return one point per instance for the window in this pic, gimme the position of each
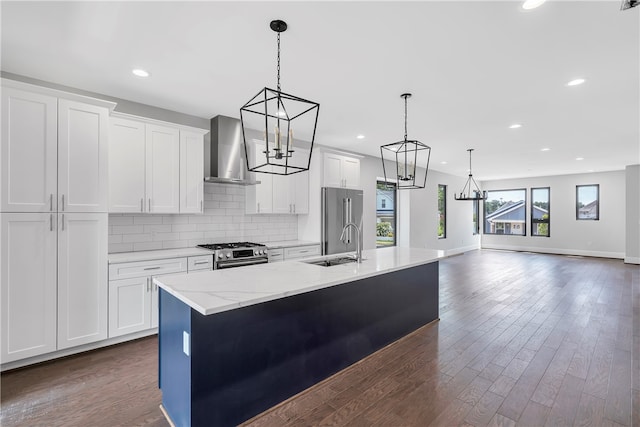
(540, 220)
(442, 211)
(476, 216)
(588, 202)
(504, 212)
(385, 214)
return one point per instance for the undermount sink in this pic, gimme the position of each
(332, 261)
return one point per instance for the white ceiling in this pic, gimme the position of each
(474, 68)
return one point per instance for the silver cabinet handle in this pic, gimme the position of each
(152, 268)
(50, 222)
(201, 205)
(201, 262)
(258, 207)
(51, 202)
(149, 204)
(63, 202)
(141, 204)
(62, 222)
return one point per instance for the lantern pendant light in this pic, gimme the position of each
(409, 158)
(268, 121)
(468, 189)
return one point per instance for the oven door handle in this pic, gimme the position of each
(229, 264)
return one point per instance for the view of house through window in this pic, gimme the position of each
(588, 202)
(540, 219)
(442, 211)
(476, 217)
(385, 214)
(504, 212)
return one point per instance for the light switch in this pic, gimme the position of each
(185, 342)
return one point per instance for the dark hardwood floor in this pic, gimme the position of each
(523, 339)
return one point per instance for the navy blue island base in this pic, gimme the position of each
(225, 368)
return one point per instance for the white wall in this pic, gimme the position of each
(602, 238)
(417, 224)
(632, 245)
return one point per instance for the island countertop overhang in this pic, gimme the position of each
(216, 291)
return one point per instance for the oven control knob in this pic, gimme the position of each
(228, 255)
(265, 251)
(261, 253)
(220, 256)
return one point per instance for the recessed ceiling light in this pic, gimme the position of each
(576, 82)
(515, 126)
(140, 72)
(545, 149)
(360, 136)
(443, 162)
(532, 4)
(579, 158)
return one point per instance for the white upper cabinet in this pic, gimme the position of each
(29, 151)
(82, 157)
(341, 171)
(126, 165)
(82, 278)
(28, 278)
(54, 153)
(191, 172)
(163, 169)
(155, 167)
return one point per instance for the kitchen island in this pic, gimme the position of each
(235, 342)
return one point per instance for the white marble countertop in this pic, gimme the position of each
(289, 244)
(211, 292)
(119, 257)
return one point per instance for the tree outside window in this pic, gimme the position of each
(385, 214)
(442, 211)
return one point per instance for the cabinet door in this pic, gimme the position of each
(351, 172)
(129, 306)
(154, 304)
(282, 186)
(82, 157)
(259, 197)
(332, 170)
(301, 193)
(28, 284)
(191, 172)
(82, 278)
(162, 169)
(29, 152)
(126, 166)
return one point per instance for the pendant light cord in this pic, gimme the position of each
(278, 62)
(405, 118)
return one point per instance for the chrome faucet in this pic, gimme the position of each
(358, 242)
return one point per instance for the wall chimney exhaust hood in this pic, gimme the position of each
(228, 157)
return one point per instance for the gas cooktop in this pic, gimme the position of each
(236, 245)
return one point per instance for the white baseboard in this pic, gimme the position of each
(556, 251)
(75, 350)
(631, 260)
(461, 250)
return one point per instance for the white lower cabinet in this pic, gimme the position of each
(133, 298)
(53, 272)
(301, 251)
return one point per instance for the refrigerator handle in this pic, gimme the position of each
(346, 215)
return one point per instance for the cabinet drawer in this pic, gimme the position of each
(127, 270)
(301, 252)
(276, 255)
(201, 262)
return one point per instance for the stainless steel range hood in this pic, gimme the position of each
(228, 157)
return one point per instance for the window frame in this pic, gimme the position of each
(484, 214)
(541, 221)
(444, 212)
(476, 210)
(395, 211)
(597, 218)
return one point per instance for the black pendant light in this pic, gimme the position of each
(269, 120)
(409, 157)
(471, 190)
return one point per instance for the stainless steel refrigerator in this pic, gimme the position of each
(339, 207)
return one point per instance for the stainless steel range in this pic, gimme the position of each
(228, 255)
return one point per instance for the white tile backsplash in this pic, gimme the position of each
(223, 220)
